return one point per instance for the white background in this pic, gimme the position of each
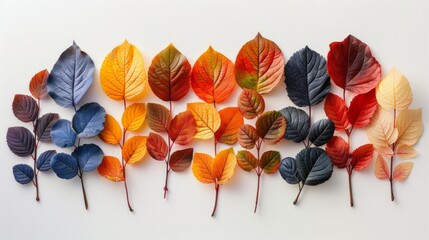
(34, 33)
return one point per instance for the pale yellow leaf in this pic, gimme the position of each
(405, 151)
(381, 131)
(394, 92)
(410, 126)
(207, 119)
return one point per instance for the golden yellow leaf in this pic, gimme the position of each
(394, 92)
(207, 119)
(381, 132)
(201, 167)
(134, 149)
(381, 170)
(410, 126)
(123, 75)
(134, 116)
(112, 132)
(402, 170)
(405, 151)
(223, 165)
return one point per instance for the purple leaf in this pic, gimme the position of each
(20, 141)
(44, 125)
(25, 108)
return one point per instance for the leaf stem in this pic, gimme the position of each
(83, 189)
(299, 193)
(126, 187)
(257, 191)
(167, 171)
(167, 161)
(349, 172)
(36, 144)
(392, 195)
(216, 197)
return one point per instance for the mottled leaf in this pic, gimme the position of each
(270, 161)
(405, 151)
(381, 131)
(246, 160)
(250, 103)
(271, 127)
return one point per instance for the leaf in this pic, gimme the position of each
(170, 74)
(307, 80)
(250, 103)
(112, 132)
(362, 109)
(381, 131)
(201, 167)
(362, 157)
(231, 120)
(180, 160)
(111, 169)
(156, 147)
(321, 132)
(20, 141)
(134, 117)
(23, 173)
(297, 124)
(338, 149)
(182, 128)
(247, 136)
(381, 170)
(38, 84)
(62, 134)
(336, 110)
(25, 108)
(64, 165)
(402, 171)
(89, 156)
(44, 160)
(44, 126)
(218, 170)
(259, 65)
(352, 66)
(288, 171)
(213, 77)
(89, 120)
(71, 77)
(394, 91)
(158, 117)
(410, 126)
(246, 160)
(384, 150)
(405, 151)
(134, 149)
(314, 166)
(207, 119)
(123, 74)
(270, 161)
(271, 127)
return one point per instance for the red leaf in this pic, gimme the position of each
(362, 157)
(38, 87)
(362, 108)
(338, 149)
(181, 159)
(336, 110)
(156, 146)
(182, 128)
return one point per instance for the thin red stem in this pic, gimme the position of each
(349, 172)
(124, 165)
(216, 197)
(167, 161)
(167, 171)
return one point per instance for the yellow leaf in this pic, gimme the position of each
(410, 126)
(134, 149)
(201, 167)
(394, 92)
(381, 170)
(381, 132)
(134, 117)
(207, 119)
(223, 165)
(402, 171)
(405, 151)
(123, 75)
(112, 132)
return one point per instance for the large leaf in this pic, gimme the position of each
(231, 121)
(338, 149)
(71, 77)
(213, 77)
(44, 160)
(218, 170)
(381, 131)
(259, 65)
(307, 80)
(170, 74)
(134, 149)
(158, 117)
(314, 166)
(250, 103)
(20, 141)
(410, 126)
(246, 160)
(134, 116)
(180, 160)
(247, 136)
(271, 127)
(362, 109)
(270, 161)
(123, 74)
(289, 171)
(44, 126)
(352, 66)
(394, 91)
(321, 132)
(362, 157)
(89, 156)
(111, 169)
(156, 147)
(297, 124)
(38, 84)
(182, 128)
(64, 165)
(89, 120)
(112, 132)
(207, 119)
(23, 173)
(62, 134)
(25, 108)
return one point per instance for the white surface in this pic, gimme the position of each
(34, 33)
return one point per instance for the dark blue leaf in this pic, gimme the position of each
(44, 125)
(20, 141)
(321, 132)
(71, 77)
(89, 156)
(64, 165)
(307, 80)
(89, 120)
(23, 173)
(288, 171)
(297, 124)
(25, 108)
(62, 134)
(44, 160)
(314, 166)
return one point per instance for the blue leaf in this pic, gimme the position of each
(64, 165)
(23, 173)
(89, 120)
(62, 134)
(288, 171)
(89, 156)
(44, 160)
(71, 77)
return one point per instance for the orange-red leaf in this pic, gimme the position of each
(134, 149)
(402, 170)
(111, 169)
(362, 157)
(271, 127)
(381, 170)
(134, 116)
(182, 128)
(231, 121)
(250, 103)
(362, 108)
(112, 132)
(338, 149)
(247, 136)
(156, 147)
(180, 160)
(246, 160)
(336, 110)
(38, 87)
(158, 117)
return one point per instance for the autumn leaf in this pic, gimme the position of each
(156, 147)
(402, 171)
(158, 117)
(180, 160)
(338, 149)
(182, 128)
(270, 162)
(246, 160)
(231, 121)
(271, 127)
(112, 132)
(202, 168)
(362, 157)
(207, 119)
(38, 84)
(134, 149)
(381, 170)
(394, 91)
(362, 109)
(337, 111)
(111, 169)
(405, 151)
(134, 116)
(410, 126)
(381, 131)
(247, 136)
(250, 103)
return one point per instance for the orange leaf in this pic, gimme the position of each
(156, 147)
(223, 165)
(402, 171)
(158, 117)
(207, 119)
(250, 103)
(201, 167)
(134, 149)
(336, 110)
(362, 157)
(134, 116)
(38, 87)
(112, 132)
(182, 128)
(111, 169)
(213, 77)
(231, 121)
(381, 170)
(247, 136)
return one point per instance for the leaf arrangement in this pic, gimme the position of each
(307, 84)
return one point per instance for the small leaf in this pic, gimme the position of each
(247, 136)
(20, 141)
(336, 110)
(207, 119)
(270, 161)
(71, 77)
(25, 108)
(213, 77)
(170, 74)
(23, 173)
(38, 84)
(307, 80)
(381, 131)
(44, 160)
(89, 120)
(182, 128)
(381, 170)
(156, 147)
(405, 151)
(271, 127)
(158, 117)
(62, 134)
(201, 167)
(402, 171)
(111, 169)
(297, 124)
(44, 126)
(321, 132)
(362, 109)
(112, 132)
(64, 165)
(410, 126)
(314, 166)
(89, 156)
(288, 171)
(246, 160)
(134, 116)
(180, 160)
(223, 165)
(250, 103)
(259, 65)
(385, 150)
(394, 91)
(134, 149)
(362, 157)
(231, 120)
(123, 74)
(338, 149)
